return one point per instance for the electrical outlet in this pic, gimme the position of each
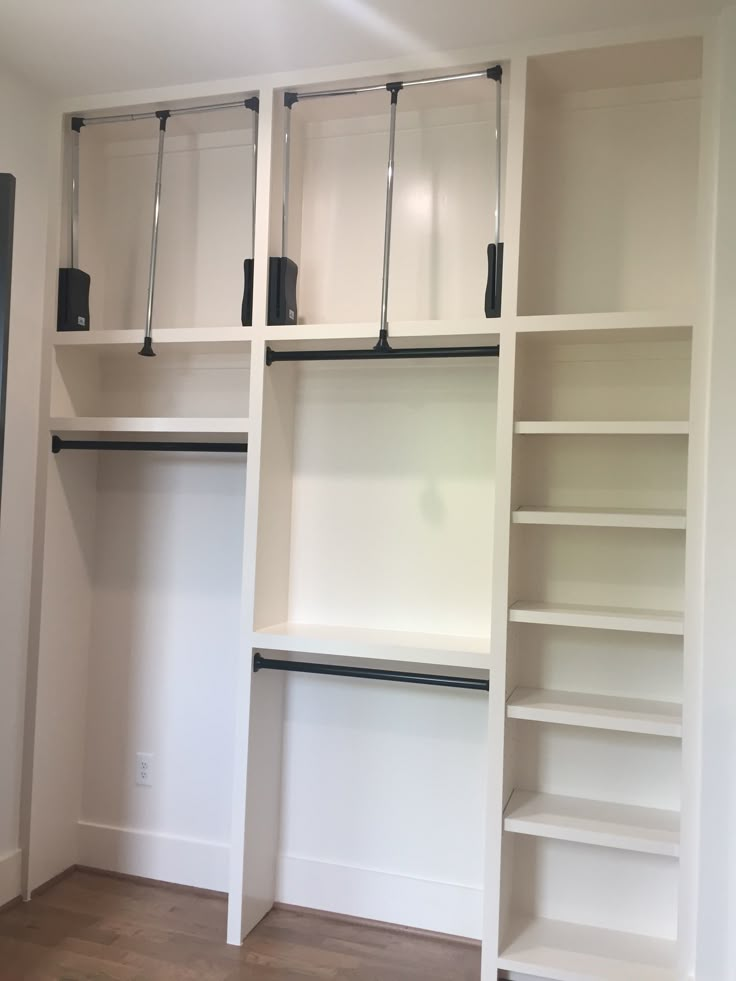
(144, 769)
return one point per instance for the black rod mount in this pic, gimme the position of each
(383, 353)
(261, 663)
(58, 444)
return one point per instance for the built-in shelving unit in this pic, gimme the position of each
(519, 518)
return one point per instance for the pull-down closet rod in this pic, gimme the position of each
(58, 444)
(130, 117)
(383, 348)
(371, 674)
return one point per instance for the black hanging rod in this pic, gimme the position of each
(261, 663)
(383, 353)
(58, 444)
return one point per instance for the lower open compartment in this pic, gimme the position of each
(577, 912)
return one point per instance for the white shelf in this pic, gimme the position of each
(615, 428)
(600, 518)
(599, 617)
(203, 340)
(223, 428)
(560, 951)
(596, 711)
(390, 645)
(637, 829)
(574, 322)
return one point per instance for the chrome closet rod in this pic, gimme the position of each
(130, 117)
(356, 90)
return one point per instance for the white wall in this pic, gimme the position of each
(716, 945)
(26, 150)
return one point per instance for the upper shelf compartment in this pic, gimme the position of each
(610, 179)
(443, 209)
(206, 217)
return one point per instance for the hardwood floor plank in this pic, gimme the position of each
(90, 927)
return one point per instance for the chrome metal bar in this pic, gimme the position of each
(383, 336)
(130, 117)
(444, 78)
(356, 90)
(147, 349)
(74, 216)
(497, 236)
(253, 105)
(285, 180)
(332, 93)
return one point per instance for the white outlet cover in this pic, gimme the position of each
(144, 769)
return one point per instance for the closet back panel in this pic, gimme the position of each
(610, 180)
(393, 495)
(383, 791)
(443, 215)
(165, 637)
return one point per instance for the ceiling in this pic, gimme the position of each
(86, 47)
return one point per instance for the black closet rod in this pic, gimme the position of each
(384, 353)
(261, 663)
(58, 444)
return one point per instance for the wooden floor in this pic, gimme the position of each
(91, 927)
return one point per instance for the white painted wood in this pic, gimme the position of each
(599, 618)
(223, 428)
(601, 823)
(197, 339)
(601, 230)
(561, 951)
(596, 711)
(368, 893)
(365, 642)
(10, 876)
(603, 428)
(153, 855)
(592, 517)
(635, 320)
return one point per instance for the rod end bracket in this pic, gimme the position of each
(253, 103)
(269, 356)
(56, 444)
(290, 98)
(163, 117)
(77, 122)
(147, 350)
(257, 662)
(495, 73)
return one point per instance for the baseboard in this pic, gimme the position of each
(425, 904)
(151, 855)
(10, 877)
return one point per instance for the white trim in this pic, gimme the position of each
(152, 855)
(374, 894)
(10, 876)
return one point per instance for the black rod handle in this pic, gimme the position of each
(261, 663)
(383, 354)
(58, 444)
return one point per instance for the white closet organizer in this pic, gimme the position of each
(518, 522)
